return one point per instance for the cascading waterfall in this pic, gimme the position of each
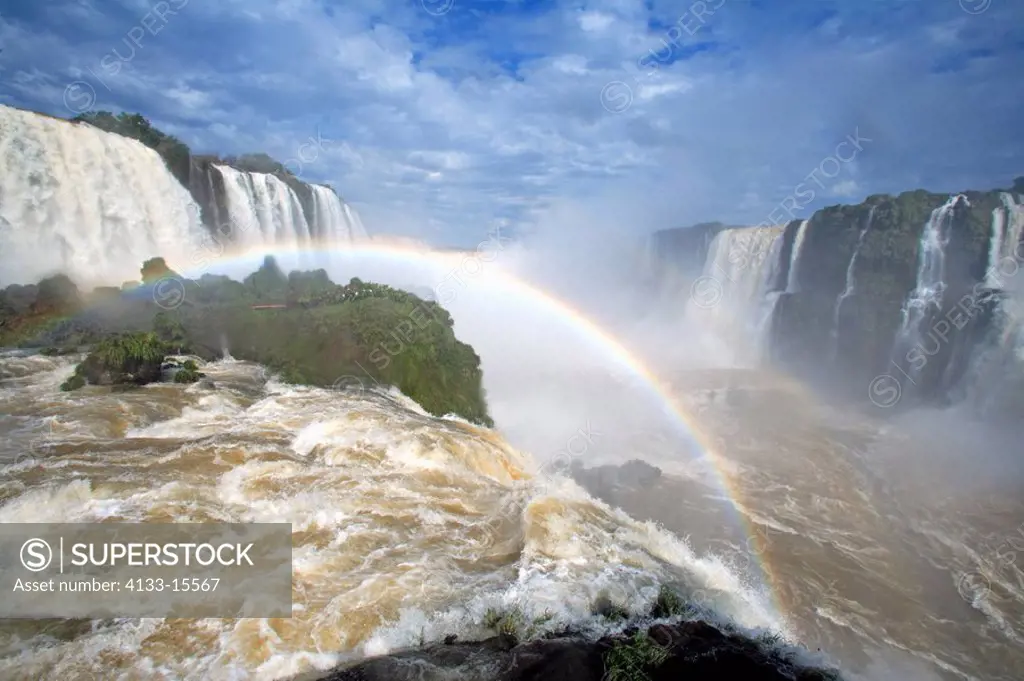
(1004, 359)
(994, 376)
(1011, 252)
(770, 297)
(649, 263)
(354, 221)
(213, 201)
(335, 221)
(729, 298)
(91, 204)
(995, 247)
(263, 209)
(850, 282)
(1007, 224)
(663, 279)
(927, 294)
(794, 256)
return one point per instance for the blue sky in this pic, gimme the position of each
(440, 118)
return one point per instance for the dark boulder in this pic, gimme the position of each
(606, 480)
(695, 651)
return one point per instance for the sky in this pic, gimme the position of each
(441, 119)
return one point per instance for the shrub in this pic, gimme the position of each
(630, 660)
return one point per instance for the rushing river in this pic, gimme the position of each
(407, 527)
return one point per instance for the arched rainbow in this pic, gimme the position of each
(590, 330)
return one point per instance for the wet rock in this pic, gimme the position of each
(603, 481)
(695, 651)
(662, 635)
(129, 359)
(638, 473)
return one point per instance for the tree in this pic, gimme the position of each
(57, 294)
(155, 269)
(269, 281)
(169, 329)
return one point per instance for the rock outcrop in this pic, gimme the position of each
(910, 287)
(692, 650)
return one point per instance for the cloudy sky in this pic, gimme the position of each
(439, 118)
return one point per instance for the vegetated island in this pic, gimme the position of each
(301, 324)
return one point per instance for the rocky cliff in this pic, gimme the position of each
(917, 289)
(234, 205)
(674, 257)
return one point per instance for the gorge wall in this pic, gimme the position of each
(913, 298)
(92, 196)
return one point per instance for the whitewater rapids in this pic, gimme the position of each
(406, 527)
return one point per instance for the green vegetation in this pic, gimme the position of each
(319, 334)
(511, 625)
(121, 359)
(507, 624)
(188, 373)
(610, 610)
(28, 310)
(669, 604)
(326, 332)
(155, 269)
(57, 352)
(770, 638)
(129, 350)
(169, 329)
(644, 650)
(630, 660)
(76, 381)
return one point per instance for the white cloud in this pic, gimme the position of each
(573, 64)
(595, 22)
(192, 101)
(846, 188)
(467, 118)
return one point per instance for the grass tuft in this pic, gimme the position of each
(630, 660)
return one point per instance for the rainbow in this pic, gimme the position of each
(597, 336)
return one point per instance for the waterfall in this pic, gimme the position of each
(1007, 224)
(354, 221)
(731, 297)
(91, 204)
(995, 247)
(769, 297)
(927, 294)
(850, 282)
(263, 209)
(334, 219)
(203, 190)
(995, 373)
(794, 256)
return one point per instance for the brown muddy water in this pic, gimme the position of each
(407, 527)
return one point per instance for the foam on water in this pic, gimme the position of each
(407, 527)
